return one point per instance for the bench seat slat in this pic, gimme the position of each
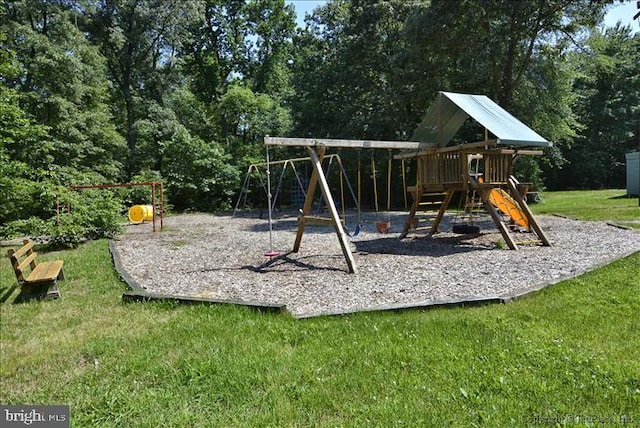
(46, 271)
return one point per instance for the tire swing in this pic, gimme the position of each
(467, 228)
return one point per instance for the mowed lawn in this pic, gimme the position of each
(568, 354)
(611, 205)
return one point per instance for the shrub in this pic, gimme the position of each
(93, 215)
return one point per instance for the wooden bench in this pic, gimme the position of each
(37, 280)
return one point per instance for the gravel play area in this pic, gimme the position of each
(222, 258)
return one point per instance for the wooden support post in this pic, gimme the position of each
(484, 194)
(416, 194)
(525, 208)
(308, 200)
(153, 205)
(328, 198)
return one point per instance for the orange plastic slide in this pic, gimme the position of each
(505, 203)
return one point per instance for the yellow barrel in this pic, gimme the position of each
(140, 213)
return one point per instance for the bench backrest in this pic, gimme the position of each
(29, 259)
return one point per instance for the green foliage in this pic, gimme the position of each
(24, 191)
(141, 195)
(527, 170)
(97, 92)
(198, 174)
(247, 117)
(134, 37)
(193, 114)
(64, 87)
(609, 89)
(351, 73)
(21, 160)
(93, 214)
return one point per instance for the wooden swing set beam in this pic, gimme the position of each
(349, 144)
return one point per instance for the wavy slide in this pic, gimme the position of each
(505, 203)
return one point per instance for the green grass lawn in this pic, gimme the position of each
(592, 205)
(569, 351)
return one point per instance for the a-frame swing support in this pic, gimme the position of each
(318, 179)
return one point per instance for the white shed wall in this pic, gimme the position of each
(633, 173)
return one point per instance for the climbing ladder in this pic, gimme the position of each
(426, 211)
(473, 207)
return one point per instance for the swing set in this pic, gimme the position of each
(317, 149)
(261, 174)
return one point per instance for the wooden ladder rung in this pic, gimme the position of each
(532, 241)
(425, 220)
(422, 228)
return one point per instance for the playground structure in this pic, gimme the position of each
(442, 169)
(442, 172)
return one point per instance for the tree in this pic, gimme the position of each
(63, 84)
(272, 25)
(198, 174)
(490, 46)
(246, 118)
(140, 39)
(351, 73)
(608, 89)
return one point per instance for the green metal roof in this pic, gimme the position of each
(450, 110)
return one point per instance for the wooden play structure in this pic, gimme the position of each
(442, 172)
(482, 171)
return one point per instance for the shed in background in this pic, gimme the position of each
(633, 173)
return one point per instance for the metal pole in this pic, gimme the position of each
(270, 253)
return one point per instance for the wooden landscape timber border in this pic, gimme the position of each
(137, 293)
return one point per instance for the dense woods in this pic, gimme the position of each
(105, 91)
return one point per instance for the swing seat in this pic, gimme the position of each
(465, 229)
(356, 232)
(383, 226)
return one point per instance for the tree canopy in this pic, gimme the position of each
(97, 91)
